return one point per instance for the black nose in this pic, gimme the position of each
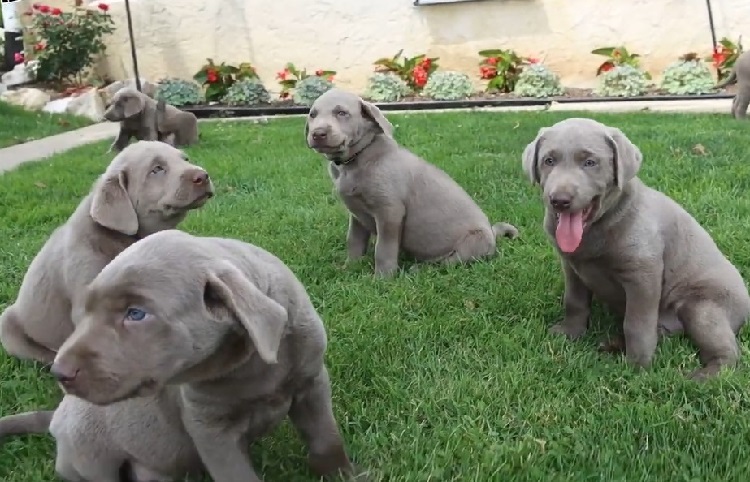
(319, 135)
(560, 201)
(63, 374)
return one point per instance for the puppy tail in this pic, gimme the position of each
(729, 80)
(24, 423)
(505, 230)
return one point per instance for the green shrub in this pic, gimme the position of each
(178, 92)
(536, 80)
(686, 77)
(247, 92)
(386, 87)
(310, 88)
(622, 81)
(448, 85)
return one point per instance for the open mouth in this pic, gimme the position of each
(571, 225)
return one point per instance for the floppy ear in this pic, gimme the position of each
(530, 158)
(261, 317)
(133, 104)
(111, 205)
(370, 111)
(307, 128)
(627, 158)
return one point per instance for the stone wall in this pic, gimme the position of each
(174, 37)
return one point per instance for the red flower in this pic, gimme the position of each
(19, 57)
(38, 47)
(319, 72)
(533, 60)
(36, 6)
(492, 60)
(44, 9)
(420, 76)
(330, 78)
(212, 76)
(56, 11)
(719, 57)
(487, 72)
(103, 7)
(283, 74)
(426, 63)
(607, 66)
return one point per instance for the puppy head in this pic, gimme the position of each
(166, 311)
(340, 124)
(582, 166)
(148, 187)
(126, 103)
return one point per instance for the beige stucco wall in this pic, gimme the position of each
(174, 37)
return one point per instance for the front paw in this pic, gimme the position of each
(571, 329)
(385, 271)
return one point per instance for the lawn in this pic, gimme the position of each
(444, 374)
(18, 125)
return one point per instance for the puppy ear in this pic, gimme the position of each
(371, 111)
(530, 158)
(111, 205)
(133, 104)
(627, 158)
(262, 318)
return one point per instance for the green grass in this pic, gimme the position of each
(444, 374)
(18, 125)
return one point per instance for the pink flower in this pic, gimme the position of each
(103, 7)
(19, 57)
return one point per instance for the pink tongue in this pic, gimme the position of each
(569, 231)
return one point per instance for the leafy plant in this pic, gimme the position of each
(689, 75)
(247, 92)
(622, 81)
(65, 43)
(386, 87)
(178, 92)
(537, 80)
(310, 88)
(617, 56)
(448, 85)
(724, 56)
(415, 71)
(501, 68)
(291, 76)
(218, 78)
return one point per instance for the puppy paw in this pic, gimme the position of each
(570, 330)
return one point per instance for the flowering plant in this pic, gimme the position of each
(724, 56)
(413, 70)
(218, 78)
(291, 75)
(616, 56)
(501, 68)
(65, 43)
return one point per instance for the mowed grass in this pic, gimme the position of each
(18, 125)
(444, 374)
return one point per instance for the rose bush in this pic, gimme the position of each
(415, 71)
(501, 69)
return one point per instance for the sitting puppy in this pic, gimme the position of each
(632, 247)
(142, 117)
(148, 187)
(407, 202)
(176, 366)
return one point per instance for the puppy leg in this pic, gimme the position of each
(357, 239)
(641, 324)
(121, 141)
(311, 414)
(388, 224)
(742, 100)
(577, 302)
(74, 465)
(710, 329)
(16, 342)
(168, 139)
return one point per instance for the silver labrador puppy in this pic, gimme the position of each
(390, 192)
(632, 247)
(189, 349)
(147, 187)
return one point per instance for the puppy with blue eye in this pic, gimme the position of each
(633, 248)
(188, 350)
(148, 187)
(407, 203)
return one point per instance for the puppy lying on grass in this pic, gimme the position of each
(408, 203)
(148, 187)
(632, 247)
(188, 349)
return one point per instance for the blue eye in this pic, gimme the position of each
(134, 314)
(589, 163)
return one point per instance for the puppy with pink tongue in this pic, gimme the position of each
(633, 248)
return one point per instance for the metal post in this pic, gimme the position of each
(13, 33)
(132, 47)
(711, 24)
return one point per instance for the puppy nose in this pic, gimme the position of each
(318, 135)
(200, 178)
(560, 201)
(63, 374)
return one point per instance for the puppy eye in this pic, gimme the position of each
(135, 314)
(313, 114)
(342, 113)
(157, 170)
(548, 161)
(589, 163)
